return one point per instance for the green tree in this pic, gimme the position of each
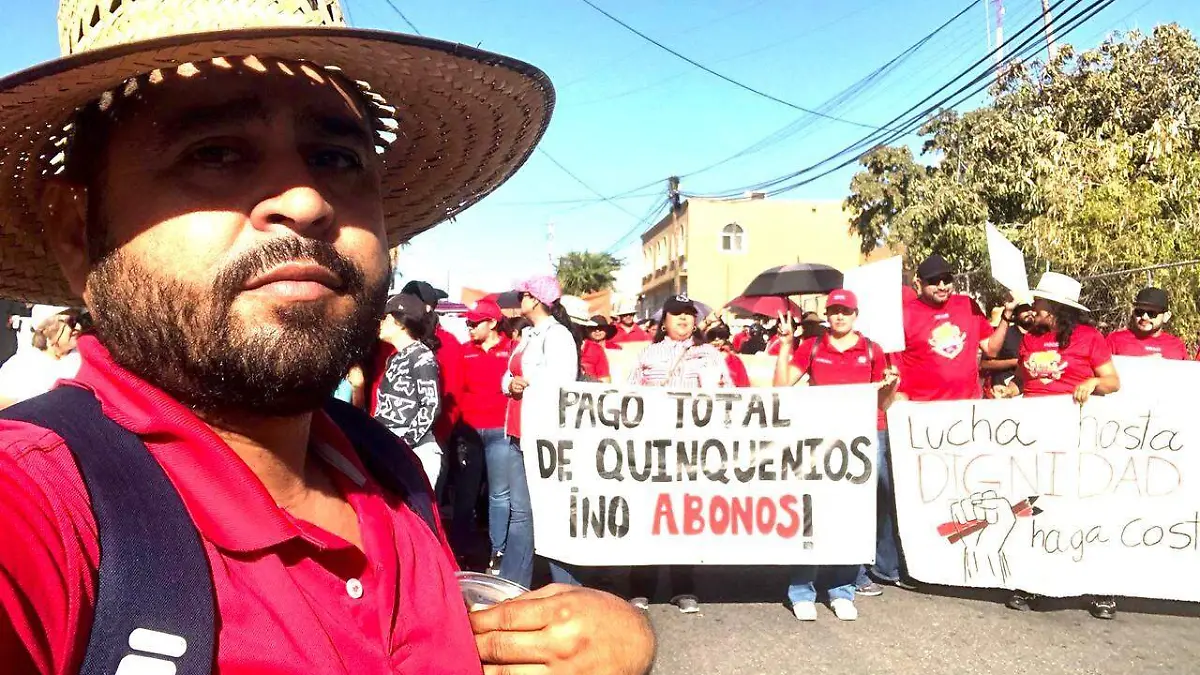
(583, 272)
(1089, 163)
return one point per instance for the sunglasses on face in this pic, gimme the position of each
(474, 324)
(940, 281)
(1148, 313)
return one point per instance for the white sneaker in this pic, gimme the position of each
(641, 603)
(844, 609)
(805, 611)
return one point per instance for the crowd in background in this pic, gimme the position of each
(457, 405)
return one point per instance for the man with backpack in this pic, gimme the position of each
(195, 501)
(843, 356)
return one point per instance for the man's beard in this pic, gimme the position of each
(183, 338)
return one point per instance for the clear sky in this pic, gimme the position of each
(630, 114)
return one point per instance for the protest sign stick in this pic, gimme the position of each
(955, 532)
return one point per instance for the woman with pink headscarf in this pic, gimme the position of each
(548, 355)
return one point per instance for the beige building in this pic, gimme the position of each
(712, 249)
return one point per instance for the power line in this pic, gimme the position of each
(916, 121)
(403, 18)
(577, 179)
(726, 78)
(910, 122)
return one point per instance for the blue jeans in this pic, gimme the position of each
(563, 573)
(510, 514)
(887, 542)
(838, 580)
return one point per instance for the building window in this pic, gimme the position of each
(733, 238)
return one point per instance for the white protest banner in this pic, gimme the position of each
(645, 476)
(879, 287)
(1007, 261)
(1048, 497)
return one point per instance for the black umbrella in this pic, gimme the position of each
(797, 279)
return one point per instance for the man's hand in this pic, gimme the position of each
(517, 385)
(1085, 389)
(564, 629)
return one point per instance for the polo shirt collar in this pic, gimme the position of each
(827, 338)
(228, 503)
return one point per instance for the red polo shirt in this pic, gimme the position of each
(1046, 368)
(635, 334)
(284, 603)
(826, 365)
(1164, 345)
(483, 404)
(593, 362)
(940, 361)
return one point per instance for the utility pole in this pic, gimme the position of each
(550, 245)
(999, 4)
(1048, 23)
(673, 198)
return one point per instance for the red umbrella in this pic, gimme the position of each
(767, 305)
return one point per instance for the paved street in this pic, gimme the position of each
(750, 632)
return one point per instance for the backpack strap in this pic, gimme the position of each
(154, 600)
(387, 458)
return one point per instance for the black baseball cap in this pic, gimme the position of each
(680, 304)
(1152, 298)
(425, 291)
(934, 267)
(407, 304)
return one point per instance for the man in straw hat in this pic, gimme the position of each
(219, 182)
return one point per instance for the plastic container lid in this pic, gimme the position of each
(481, 591)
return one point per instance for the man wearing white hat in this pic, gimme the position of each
(219, 182)
(1063, 355)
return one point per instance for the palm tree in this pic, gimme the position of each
(583, 272)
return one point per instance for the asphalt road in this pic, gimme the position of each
(744, 629)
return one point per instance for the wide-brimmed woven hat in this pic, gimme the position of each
(462, 120)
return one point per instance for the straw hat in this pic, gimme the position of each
(462, 120)
(1059, 288)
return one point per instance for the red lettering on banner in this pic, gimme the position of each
(663, 509)
(693, 514)
(787, 504)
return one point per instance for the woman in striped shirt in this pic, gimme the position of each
(678, 358)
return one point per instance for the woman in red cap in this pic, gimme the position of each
(547, 355)
(842, 356)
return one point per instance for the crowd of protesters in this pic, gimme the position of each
(1039, 345)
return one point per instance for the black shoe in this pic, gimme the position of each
(1104, 608)
(493, 567)
(1022, 602)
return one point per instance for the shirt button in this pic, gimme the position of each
(354, 588)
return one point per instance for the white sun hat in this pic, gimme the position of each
(1059, 288)
(578, 309)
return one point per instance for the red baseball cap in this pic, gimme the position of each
(484, 310)
(842, 298)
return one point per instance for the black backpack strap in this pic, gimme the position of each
(386, 457)
(154, 598)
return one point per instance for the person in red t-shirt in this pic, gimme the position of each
(1146, 334)
(944, 334)
(483, 441)
(628, 330)
(843, 356)
(718, 336)
(593, 360)
(1063, 355)
(226, 219)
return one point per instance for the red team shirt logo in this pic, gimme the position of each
(947, 340)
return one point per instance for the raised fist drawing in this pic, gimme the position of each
(985, 520)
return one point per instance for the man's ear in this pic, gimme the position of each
(63, 211)
(1166, 317)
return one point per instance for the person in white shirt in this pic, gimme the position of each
(548, 355)
(32, 371)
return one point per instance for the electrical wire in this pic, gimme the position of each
(608, 200)
(657, 208)
(726, 78)
(1061, 30)
(403, 18)
(909, 121)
